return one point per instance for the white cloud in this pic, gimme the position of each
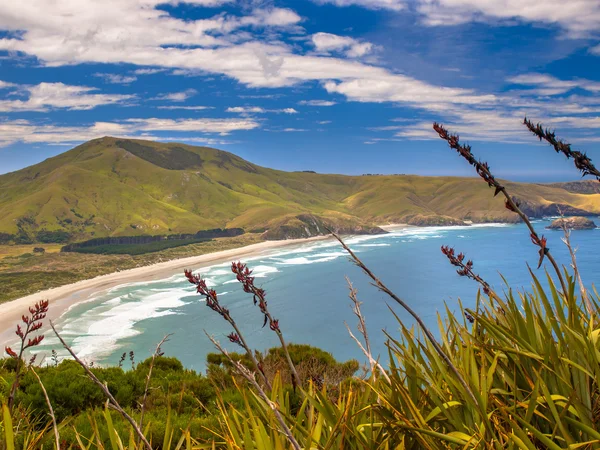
(574, 122)
(578, 17)
(274, 17)
(27, 132)
(220, 126)
(116, 79)
(394, 5)
(500, 119)
(176, 96)
(317, 103)
(45, 96)
(260, 18)
(549, 85)
(6, 84)
(327, 42)
(148, 71)
(259, 110)
(205, 3)
(402, 89)
(114, 31)
(324, 122)
(293, 130)
(246, 109)
(595, 50)
(502, 123)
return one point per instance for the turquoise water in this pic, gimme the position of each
(307, 292)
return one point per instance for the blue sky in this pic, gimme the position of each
(336, 86)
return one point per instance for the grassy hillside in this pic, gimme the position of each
(112, 187)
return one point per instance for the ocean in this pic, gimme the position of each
(307, 292)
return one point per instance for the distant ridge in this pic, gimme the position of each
(123, 187)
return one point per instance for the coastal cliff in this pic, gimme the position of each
(573, 223)
(307, 225)
(421, 220)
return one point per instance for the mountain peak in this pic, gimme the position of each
(167, 156)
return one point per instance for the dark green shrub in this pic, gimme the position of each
(53, 237)
(162, 363)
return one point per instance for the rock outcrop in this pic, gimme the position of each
(421, 220)
(308, 225)
(573, 223)
(552, 209)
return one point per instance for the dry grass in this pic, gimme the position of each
(23, 273)
(7, 251)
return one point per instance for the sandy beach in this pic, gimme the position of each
(61, 298)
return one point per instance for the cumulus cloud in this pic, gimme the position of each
(317, 103)
(353, 48)
(274, 17)
(12, 131)
(246, 109)
(504, 123)
(116, 79)
(151, 71)
(176, 96)
(403, 89)
(548, 85)
(259, 110)
(579, 18)
(46, 96)
(550, 102)
(114, 31)
(394, 5)
(205, 3)
(220, 126)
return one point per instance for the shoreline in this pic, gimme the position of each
(63, 297)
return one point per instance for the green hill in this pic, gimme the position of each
(118, 187)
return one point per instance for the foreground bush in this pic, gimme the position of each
(178, 399)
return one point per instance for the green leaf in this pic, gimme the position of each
(9, 436)
(438, 410)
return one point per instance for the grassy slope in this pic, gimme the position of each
(104, 189)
